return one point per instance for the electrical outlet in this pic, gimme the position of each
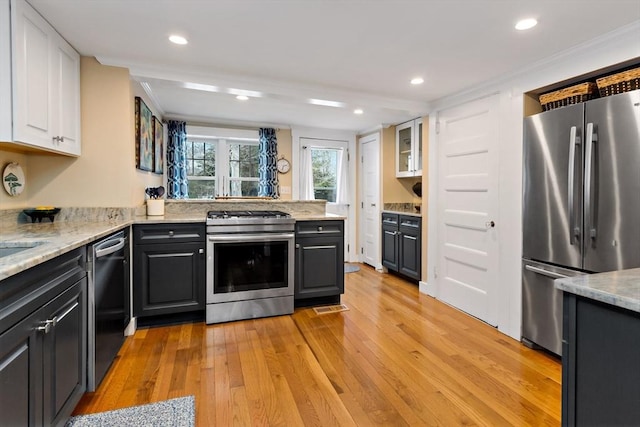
(285, 189)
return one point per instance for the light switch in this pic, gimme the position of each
(285, 189)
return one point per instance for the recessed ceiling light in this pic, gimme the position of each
(525, 24)
(178, 39)
(417, 81)
(326, 103)
(242, 97)
(358, 111)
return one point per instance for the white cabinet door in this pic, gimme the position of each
(46, 84)
(5, 71)
(66, 98)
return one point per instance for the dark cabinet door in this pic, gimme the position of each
(20, 375)
(390, 247)
(319, 259)
(410, 247)
(320, 267)
(169, 278)
(64, 355)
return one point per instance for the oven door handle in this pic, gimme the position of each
(264, 237)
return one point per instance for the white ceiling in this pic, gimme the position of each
(361, 53)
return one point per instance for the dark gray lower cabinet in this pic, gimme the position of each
(43, 342)
(169, 269)
(319, 259)
(600, 364)
(401, 244)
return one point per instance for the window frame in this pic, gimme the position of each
(222, 139)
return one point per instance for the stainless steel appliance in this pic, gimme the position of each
(250, 260)
(581, 205)
(108, 303)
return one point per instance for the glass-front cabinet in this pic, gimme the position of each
(409, 148)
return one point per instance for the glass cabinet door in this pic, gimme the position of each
(404, 149)
(409, 148)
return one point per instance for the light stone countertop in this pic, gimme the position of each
(416, 214)
(60, 237)
(618, 288)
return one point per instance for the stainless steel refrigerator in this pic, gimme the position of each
(581, 203)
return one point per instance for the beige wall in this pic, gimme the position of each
(394, 190)
(105, 173)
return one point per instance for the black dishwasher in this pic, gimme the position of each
(108, 302)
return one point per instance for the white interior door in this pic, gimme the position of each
(467, 272)
(370, 200)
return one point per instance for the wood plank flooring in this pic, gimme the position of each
(396, 357)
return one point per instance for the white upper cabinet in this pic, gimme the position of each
(409, 149)
(46, 84)
(5, 71)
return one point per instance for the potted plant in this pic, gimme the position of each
(155, 204)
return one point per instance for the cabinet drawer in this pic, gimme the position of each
(309, 228)
(390, 221)
(410, 222)
(159, 233)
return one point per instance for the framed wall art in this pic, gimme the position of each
(144, 136)
(158, 146)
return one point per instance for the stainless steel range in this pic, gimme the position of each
(250, 257)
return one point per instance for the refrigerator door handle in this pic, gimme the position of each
(544, 272)
(588, 169)
(574, 232)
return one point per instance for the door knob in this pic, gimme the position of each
(490, 224)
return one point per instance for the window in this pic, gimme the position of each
(324, 163)
(222, 162)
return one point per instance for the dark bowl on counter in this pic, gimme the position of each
(40, 214)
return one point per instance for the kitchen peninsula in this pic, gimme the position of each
(601, 349)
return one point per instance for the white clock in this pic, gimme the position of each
(283, 165)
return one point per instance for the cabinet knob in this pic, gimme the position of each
(297, 245)
(200, 251)
(490, 224)
(320, 228)
(171, 233)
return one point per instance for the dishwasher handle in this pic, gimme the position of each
(544, 272)
(108, 247)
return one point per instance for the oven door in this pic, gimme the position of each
(249, 266)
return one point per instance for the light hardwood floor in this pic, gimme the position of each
(396, 357)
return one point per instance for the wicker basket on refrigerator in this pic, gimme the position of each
(570, 95)
(624, 81)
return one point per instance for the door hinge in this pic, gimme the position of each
(361, 250)
(347, 248)
(435, 272)
(362, 159)
(437, 127)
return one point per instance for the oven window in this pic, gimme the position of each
(249, 266)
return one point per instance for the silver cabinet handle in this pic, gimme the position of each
(406, 236)
(200, 251)
(588, 178)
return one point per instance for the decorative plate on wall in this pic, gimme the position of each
(13, 179)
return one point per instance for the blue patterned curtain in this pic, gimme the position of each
(267, 169)
(177, 183)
